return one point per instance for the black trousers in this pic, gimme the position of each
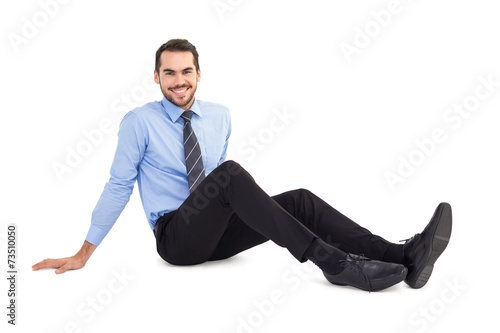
(229, 213)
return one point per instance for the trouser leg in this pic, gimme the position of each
(192, 234)
(335, 228)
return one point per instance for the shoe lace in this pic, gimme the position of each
(406, 240)
(411, 238)
(354, 262)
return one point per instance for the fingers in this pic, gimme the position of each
(49, 263)
(62, 269)
(71, 263)
(61, 265)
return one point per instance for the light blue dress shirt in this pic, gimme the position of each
(150, 150)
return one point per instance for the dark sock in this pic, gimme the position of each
(325, 256)
(394, 254)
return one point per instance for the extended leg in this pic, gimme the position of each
(337, 229)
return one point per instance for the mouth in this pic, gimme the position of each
(180, 91)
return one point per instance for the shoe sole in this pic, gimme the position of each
(376, 285)
(440, 239)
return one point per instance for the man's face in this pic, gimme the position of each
(178, 78)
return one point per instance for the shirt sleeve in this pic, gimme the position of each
(130, 150)
(228, 134)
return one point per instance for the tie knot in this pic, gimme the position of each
(186, 115)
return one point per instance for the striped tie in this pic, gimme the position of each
(192, 152)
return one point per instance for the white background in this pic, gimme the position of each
(350, 122)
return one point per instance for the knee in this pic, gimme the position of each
(303, 197)
(302, 193)
(294, 198)
(230, 169)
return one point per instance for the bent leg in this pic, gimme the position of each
(192, 234)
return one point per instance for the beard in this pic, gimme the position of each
(180, 102)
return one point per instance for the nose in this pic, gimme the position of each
(179, 80)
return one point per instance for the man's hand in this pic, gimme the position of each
(62, 264)
(75, 262)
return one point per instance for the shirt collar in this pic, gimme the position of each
(174, 112)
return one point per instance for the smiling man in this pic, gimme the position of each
(178, 84)
(201, 207)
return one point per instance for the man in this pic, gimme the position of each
(201, 207)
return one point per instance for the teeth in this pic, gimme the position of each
(179, 91)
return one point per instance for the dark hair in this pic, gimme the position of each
(176, 45)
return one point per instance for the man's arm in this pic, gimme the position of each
(75, 262)
(115, 196)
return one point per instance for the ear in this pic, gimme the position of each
(199, 76)
(157, 77)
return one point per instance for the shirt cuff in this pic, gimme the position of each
(95, 235)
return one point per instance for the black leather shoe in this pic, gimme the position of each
(366, 274)
(422, 250)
